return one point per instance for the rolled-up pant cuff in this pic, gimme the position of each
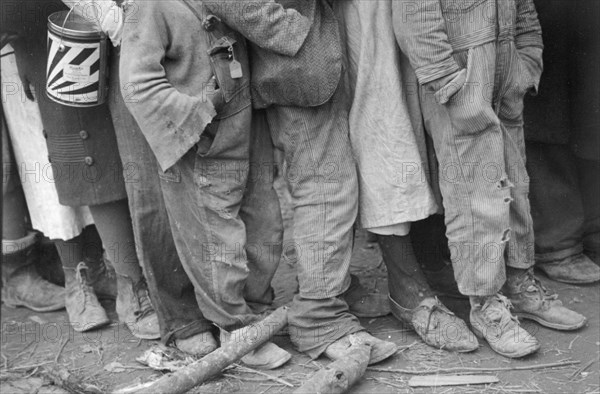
(316, 324)
(541, 258)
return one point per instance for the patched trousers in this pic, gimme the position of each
(226, 220)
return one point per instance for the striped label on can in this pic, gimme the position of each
(73, 73)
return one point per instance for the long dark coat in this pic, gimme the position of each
(81, 141)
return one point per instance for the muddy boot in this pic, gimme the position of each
(102, 278)
(532, 301)
(21, 283)
(135, 308)
(84, 310)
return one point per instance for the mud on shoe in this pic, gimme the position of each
(437, 325)
(491, 320)
(84, 310)
(532, 301)
(380, 349)
(135, 309)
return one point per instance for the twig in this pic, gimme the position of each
(573, 341)
(62, 346)
(30, 366)
(266, 375)
(580, 370)
(468, 369)
(5, 360)
(383, 381)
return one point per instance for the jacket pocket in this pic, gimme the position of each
(470, 108)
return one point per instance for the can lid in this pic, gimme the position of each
(76, 26)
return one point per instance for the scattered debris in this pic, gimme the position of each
(213, 363)
(160, 359)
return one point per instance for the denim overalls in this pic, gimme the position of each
(477, 127)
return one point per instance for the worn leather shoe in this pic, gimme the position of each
(198, 345)
(532, 301)
(437, 325)
(380, 350)
(22, 285)
(135, 309)
(577, 269)
(266, 356)
(84, 310)
(491, 320)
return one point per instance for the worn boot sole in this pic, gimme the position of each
(89, 327)
(545, 323)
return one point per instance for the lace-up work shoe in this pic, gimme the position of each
(532, 301)
(437, 325)
(135, 308)
(84, 310)
(380, 349)
(491, 320)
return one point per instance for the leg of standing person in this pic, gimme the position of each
(21, 283)
(203, 194)
(558, 232)
(261, 212)
(322, 176)
(170, 289)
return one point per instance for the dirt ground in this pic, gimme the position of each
(39, 349)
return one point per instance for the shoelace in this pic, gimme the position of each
(143, 299)
(438, 306)
(83, 280)
(535, 286)
(499, 312)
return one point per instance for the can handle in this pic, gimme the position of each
(61, 46)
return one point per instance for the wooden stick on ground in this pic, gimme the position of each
(477, 370)
(242, 342)
(340, 375)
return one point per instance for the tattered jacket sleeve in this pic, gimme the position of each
(171, 121)
(421, 33)
(264, 22)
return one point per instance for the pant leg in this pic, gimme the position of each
(261, 213)
(520, 246)
(203, 198)
(590, 188)
(473, 181)
(556, 204)
(322, 176)
(171, 291)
